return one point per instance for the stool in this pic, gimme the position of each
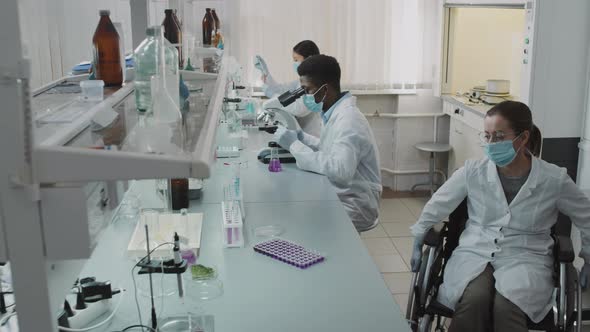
(433, 148)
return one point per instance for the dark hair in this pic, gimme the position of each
(520, 119)
(306, 49)
(321, 69)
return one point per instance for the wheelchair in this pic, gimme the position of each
(424, 312)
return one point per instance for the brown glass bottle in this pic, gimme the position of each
(106, 52)
(216, 20)
(179, 24)
(179, 193)
(208, 27)
(172, 33)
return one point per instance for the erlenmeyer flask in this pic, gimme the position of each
(275, 162)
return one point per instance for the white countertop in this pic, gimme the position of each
(479, 109)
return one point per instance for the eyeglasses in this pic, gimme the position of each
(316, 91)
(497, 136)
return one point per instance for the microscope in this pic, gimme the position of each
(272, 109)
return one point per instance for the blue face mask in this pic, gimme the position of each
(295, 66)
(309, 101)
(501, 153)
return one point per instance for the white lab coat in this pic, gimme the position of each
(309, 121)
(515, 239)
(347, 154)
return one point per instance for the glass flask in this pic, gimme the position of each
(275, 163)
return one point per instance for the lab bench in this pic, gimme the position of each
(343, 293)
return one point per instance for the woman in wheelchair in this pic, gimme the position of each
(502, 270)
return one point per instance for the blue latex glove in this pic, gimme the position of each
(300, 134)
(417, 253)
(285, 137)
(260, 64)
(584, 275)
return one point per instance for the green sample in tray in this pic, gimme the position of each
(202, 272)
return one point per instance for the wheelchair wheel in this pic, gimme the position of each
(417, 297)
(425, 324)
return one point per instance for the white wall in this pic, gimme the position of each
(560, 61)
(486, 44)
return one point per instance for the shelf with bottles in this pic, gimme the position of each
(83, 150)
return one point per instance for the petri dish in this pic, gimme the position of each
(268, 231)
(164, 285)
(187, 323)
(203, 288)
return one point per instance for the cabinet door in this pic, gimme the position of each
(472, 142)
(458, 153)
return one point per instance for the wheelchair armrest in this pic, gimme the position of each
(564, 249)
(435, 235)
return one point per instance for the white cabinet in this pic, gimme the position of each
(457, 156)
(463, 137)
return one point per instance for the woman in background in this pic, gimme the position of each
(309, 121)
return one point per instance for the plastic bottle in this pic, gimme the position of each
(220, 44)
(107, 55)
(208, 25)
(214, 40)
(172, 33)
(146, 67)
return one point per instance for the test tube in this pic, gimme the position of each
(184, 213)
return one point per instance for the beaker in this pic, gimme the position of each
(129, 208)
(275, 163)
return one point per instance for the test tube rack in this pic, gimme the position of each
(229, 143)
(227, 152)
(232, 191)
(289, 252)
(233, 226)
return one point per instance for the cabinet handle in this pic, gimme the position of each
(457, 111)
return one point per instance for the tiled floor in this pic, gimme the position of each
(390, 244)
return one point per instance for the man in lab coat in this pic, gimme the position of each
(346, 151)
